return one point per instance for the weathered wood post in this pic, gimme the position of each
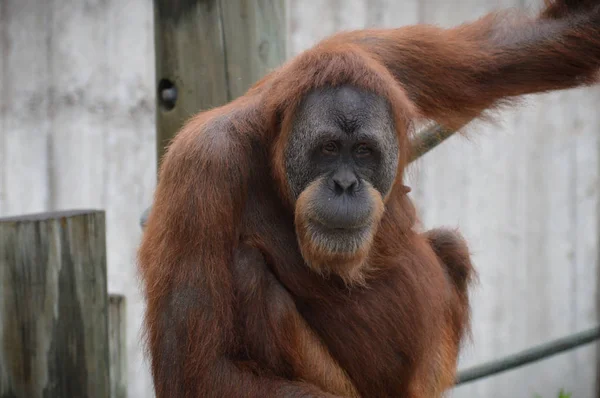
(117, 345)
(53, 306)
(209, 52)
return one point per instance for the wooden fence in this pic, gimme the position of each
(61, 334)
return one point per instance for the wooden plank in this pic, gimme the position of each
(117, 345)
(53, 308)
(254, 41)
(209, 52)
(190, 59)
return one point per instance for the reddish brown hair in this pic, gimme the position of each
(222, 187)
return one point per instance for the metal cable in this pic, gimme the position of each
(529, 355)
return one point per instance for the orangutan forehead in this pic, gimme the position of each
(345, 108)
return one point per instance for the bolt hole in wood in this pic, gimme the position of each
(167, 94)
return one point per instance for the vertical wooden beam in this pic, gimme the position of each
(190, 63)
(209, 52)
(117, 346)
(254, 33)
(53, 306)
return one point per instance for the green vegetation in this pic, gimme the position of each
(561, 394)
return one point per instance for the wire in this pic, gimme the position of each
(530, 355)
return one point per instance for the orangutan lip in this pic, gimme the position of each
(326, 227)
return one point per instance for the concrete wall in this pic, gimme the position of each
(77, 130)
(77, 126)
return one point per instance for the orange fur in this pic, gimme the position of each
(350, 266)
(233, 308)
(317, 366)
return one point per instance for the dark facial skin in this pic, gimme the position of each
(344, 138)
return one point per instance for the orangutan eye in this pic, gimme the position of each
(330, 148)
(363, 150)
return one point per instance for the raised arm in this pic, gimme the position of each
(452, 75)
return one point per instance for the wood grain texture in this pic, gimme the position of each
(53, 307)
(117, 345)
(190, 53)
(212, 51)
(254, 41)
